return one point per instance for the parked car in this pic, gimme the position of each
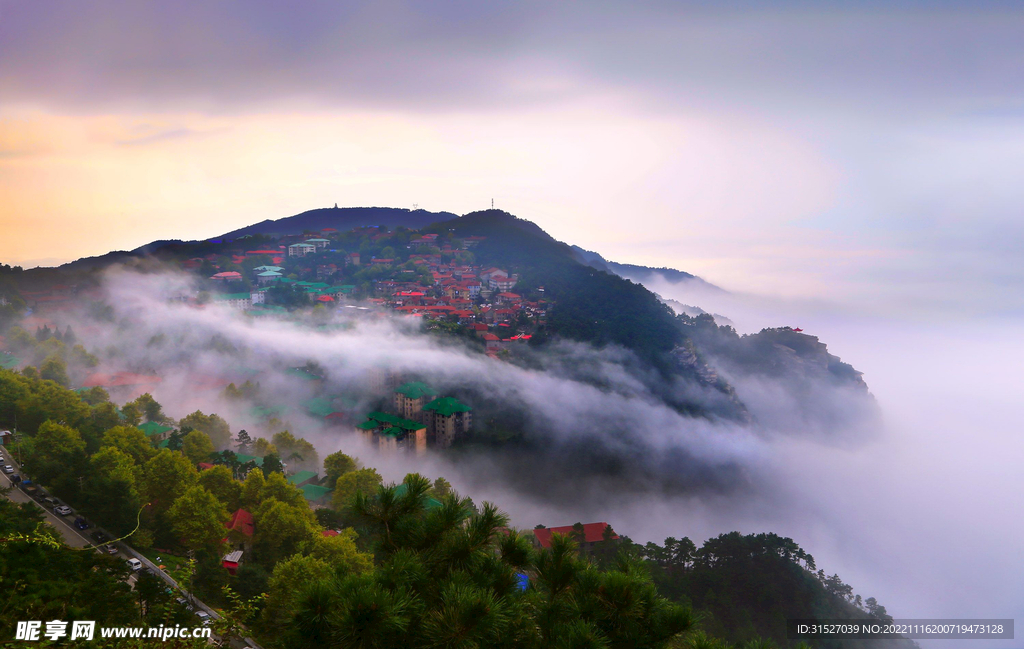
(204, 617)
(63, 510)
(81, 523)
(16, 478)
(99, 537)
(8, 469)
(50, 501)
(134, 564)
(111, 549)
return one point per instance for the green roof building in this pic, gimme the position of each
(447, 406)
(243, 458)
(410, 397)
(415, 390)
(302, 478)
(448, 418)
(303, 373)
(316, 495)
(156, 432)
(318, 407)
(390, 432)
(264, 413)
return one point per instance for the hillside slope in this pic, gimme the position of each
(341, 219)
(639, 274)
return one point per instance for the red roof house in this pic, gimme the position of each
(592, 533)
(241, 521)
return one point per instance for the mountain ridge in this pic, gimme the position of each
(340, 218)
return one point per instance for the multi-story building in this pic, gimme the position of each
(390, 433)
(301, 249)
(411, 397)
(447, 418)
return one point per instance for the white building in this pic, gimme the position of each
(300, 249)
(240, 301)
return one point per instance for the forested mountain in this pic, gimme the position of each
(341, 218)
(589, 305)
(636, 273)
(412, 565)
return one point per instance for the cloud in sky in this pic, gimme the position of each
(777, 147)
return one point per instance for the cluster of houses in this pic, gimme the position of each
(469, 295)
(422, 420)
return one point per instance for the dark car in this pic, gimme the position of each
(15, 479)
(100, 537)
(81, 523)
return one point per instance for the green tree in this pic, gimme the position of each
(281, 529)
(288, 580)
(252, 489)
(197, 446)
(197, 518)
(278, 487)
(272, 464)
(111, 489)
(212, 425)
(338, 463)
(243, 442)
(15, 391)
(149, 407)
(349, 484)
(131, 414)
(57, 457)
(340, 552)
(167, 476)
(449, 578)
(44, 579)
(221, 483)
(442, 488)
(131, 441)
(261, 447)
(296, 451)
(95, 396)
(56, 370)
(47, 400)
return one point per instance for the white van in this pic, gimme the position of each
(134, 564)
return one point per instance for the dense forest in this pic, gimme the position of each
(415, 565)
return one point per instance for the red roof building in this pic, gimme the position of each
(242, 522)
(119, 379)
(592, 533)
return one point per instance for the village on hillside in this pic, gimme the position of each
(368, 271)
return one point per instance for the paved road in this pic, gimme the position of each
(71, 535)
(75, 538)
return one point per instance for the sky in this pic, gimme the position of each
(864, 153)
